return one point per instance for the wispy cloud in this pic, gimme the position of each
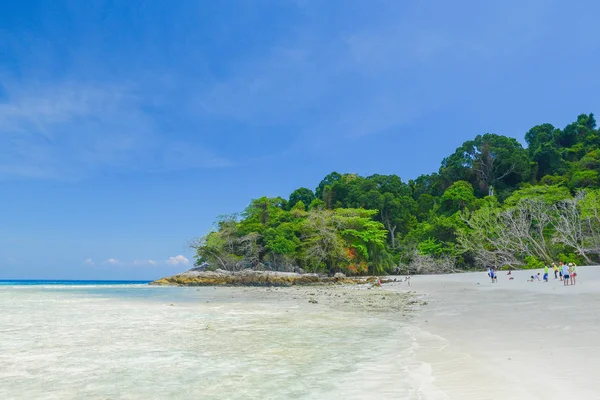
(382, 73)
(69, 129)
(178, 260)
(143, 262)
(339, 86)
(378, 68)
(113, 261)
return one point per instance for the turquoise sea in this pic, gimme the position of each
(37, 282)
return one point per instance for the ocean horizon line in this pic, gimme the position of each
(12, 282)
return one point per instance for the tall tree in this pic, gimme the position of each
(302, 194)
(489, 162)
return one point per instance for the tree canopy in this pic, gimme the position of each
(493, 202)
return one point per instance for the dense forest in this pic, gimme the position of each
(491, 203)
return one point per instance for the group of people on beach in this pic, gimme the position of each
(567, 273)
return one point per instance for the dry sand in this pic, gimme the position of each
(509, 340)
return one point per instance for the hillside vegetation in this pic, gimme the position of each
(491, 203)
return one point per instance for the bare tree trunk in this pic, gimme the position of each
(570, 227)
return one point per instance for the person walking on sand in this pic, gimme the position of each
(565, 274)
(555, 270)
(545, 273)
(573, 273)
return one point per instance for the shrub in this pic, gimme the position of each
(533, 263)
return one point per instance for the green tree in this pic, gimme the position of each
(489, 161)
(329, 180)
(457, 197)
(304, 195)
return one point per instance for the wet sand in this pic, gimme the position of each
(509, 340)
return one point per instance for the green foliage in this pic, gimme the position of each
(571, 258)
(492, 202)
(304, 195)
(430, 247)
(488, 162)
(547, 194)
(533, 263)
(281, 240)
(457, 197)
(584, 179)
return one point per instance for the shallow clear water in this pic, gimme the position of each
(142, 342)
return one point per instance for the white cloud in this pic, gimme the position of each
(178, 260)
(112, 261)
(88, 261)
(144, 262)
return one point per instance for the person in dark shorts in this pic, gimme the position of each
(560, 270)
(565, 274)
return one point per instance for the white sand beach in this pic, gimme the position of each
(509, 340)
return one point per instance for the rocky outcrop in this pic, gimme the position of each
(257, 278)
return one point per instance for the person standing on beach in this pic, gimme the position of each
(555, 270)
(573, 273)
(545, 273)
(560, 267)
(565, 274)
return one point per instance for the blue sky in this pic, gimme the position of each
(127, 127)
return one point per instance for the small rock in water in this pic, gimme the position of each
(172, 304)
(313, 301)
